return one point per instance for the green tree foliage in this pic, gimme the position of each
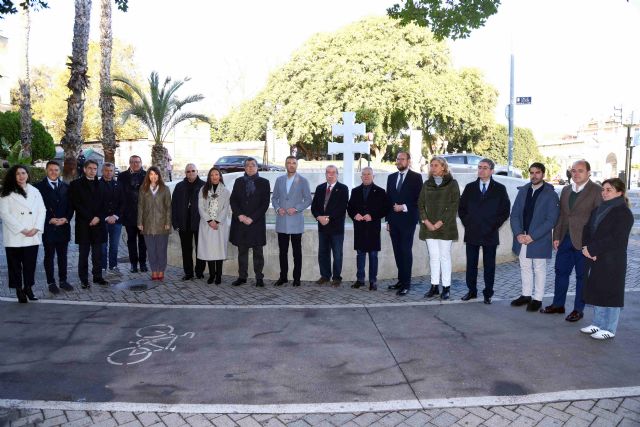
(525, 148)
(42, 144)
(452, 19)
(393, 76)
(8, 7)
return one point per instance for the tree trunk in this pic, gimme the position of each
(78, 82)
(159, 159)
(106, 100)
(24, 83)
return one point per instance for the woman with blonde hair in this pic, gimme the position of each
(154, 220)
(438, 207)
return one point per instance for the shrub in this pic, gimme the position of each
(42, 146)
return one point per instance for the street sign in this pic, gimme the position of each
(523, 100)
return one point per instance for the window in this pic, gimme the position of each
(455, 160)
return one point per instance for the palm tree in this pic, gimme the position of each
(78, 83)
(159, 110)
(106, 100)
(24, 84)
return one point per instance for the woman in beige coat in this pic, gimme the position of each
(154, 220)
(213, 234)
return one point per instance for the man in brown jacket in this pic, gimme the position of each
(577, 201)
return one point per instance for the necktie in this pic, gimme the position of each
(400, 179)
(484, 188)
(55, 185)
(326, 195)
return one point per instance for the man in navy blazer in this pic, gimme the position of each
(484, 207)
(403, 190)
(57, 231)
(329, 208)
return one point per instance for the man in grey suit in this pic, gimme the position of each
(291, 196)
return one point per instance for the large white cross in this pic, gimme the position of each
(348, 130)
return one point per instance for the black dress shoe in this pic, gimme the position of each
(373, 286)
(487, 300)
(85, 285)
(100, 281)
(402, 292)
(357, 284)
(187, 277)
(259, 283)
(296, 283)
(574, 316)
(143, 268)
(534, 305)
(445, 293)
(397, 286)
(210, 280)
(22, 297)
(200, 276)
(133, 269)
(433, 291)
(53, 288)
(218, 280)
(239, 282)
(280, 282)
(552, 309)
(520, 301)
(29, 293)
(469, 295)
(64, 285)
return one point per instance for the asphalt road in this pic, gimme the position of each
(313, 355)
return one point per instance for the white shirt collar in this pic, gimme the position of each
(578, 188)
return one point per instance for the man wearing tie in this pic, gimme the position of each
(57, 231)
(329, 208)
(403, 190)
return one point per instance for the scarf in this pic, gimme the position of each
(213, 205)
(603, 210)
(250, 184)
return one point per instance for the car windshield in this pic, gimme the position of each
(474, 160)
(458, 160)
(227, 159)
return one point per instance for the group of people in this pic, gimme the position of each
(588, 226)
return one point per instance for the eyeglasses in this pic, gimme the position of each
(484, 167)
(191, 171)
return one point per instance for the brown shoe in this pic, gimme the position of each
(574, 316)
(336, 283)
(552, 309)
(322, 281)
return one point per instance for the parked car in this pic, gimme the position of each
(468, 163)
(228, 164)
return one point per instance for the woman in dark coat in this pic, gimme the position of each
(604, 240)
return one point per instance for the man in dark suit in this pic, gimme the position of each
(403, 190)
(130, 182)
(249, 202)
(185, 219)
(87, 202)
(57, 231)
(484, 207)
(329, 208)
(112, 202)
(367, 206)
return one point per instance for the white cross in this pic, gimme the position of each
(348, 130)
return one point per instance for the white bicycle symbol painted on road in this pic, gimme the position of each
(153, 338)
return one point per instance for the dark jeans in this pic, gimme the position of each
(489, 260)
(137, 247)
(110, 247)
(330, 244)
(402, 242)
(83, 261)
(283, 246)
(243, 261)
(361, 258)
(58, 249)
(186, 242)
(568, 258)
(21, 266)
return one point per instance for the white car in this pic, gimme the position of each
(468, 163)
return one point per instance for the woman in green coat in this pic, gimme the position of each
(438, 206)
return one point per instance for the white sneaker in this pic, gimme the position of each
(591, 329)
(603, 335)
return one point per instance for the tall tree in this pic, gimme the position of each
(26, 134)
(107, 106)
(159, 109)
(78, 83)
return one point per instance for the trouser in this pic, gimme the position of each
(110, 247)
(83, 261)
(402, 242)
(52, 249)
(568, 258)
(489, 261)
(21, 266)
(440, 261)
(157, 251)
(296, 246)
(361, 259)
(243, 261)
(136, 246)
(186, 242)
(534, 274)
(215, 268)
(330, 244)
(606, 318)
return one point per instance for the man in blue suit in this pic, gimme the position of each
(57, 231)
(403, 190)
(291, 196)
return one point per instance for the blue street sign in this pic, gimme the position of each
(523, 100)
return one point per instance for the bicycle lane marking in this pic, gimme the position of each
(151, 338)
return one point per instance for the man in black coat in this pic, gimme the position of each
(329, 208)
(367, 206)
(57, 231)
(113, 206)
(403, 191)
(87, 202)
(185, 219)
(249, 203)
(130, 182)
(484, 207)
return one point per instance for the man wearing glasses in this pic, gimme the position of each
(130, 182)
(484, 207)
(185, 219)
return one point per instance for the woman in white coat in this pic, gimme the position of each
(23, 212)
(213, 233)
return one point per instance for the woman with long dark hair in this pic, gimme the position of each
(23, 213)
(213, 234)
(154, 220)
(604, 244)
